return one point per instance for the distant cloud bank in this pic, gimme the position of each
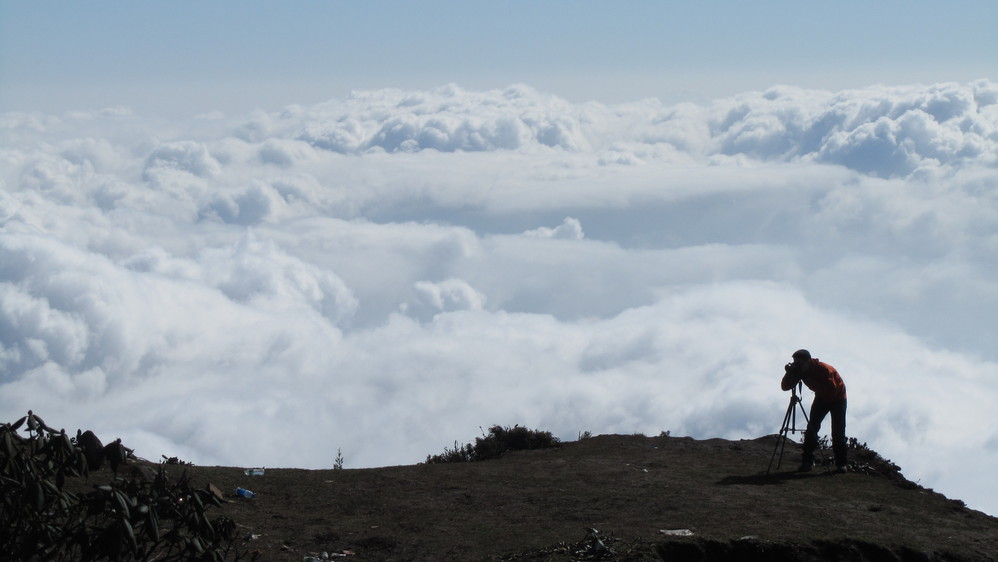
(387, 272)
(890, 132)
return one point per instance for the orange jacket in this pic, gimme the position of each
(821, 378)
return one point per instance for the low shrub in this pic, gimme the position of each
(495, 443)
(47, 514)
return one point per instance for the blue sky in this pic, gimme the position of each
(192, 56)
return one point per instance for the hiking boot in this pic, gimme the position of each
(805, 466)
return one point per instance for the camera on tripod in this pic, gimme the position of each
(795, 370)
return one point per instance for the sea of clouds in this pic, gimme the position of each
(388, 273)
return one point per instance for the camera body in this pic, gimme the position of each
(795, 376)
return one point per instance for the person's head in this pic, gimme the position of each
(802, 358)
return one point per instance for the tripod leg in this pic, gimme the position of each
(802, 411)
(782, 441)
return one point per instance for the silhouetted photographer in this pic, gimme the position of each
(829, 397)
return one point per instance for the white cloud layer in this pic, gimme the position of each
(386, 273)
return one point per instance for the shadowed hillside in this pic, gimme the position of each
(609, 497)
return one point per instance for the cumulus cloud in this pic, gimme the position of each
(181, 156)
(256, 203)
(448, 119)
(430, 299)
(887, 132)
(397, 268)
(569, 229)
(286, 153)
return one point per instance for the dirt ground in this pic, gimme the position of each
(644, 498)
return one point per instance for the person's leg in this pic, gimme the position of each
(839, 446)
(819, 410)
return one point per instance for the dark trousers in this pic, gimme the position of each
(819, 409)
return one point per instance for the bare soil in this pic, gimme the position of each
(608, 497)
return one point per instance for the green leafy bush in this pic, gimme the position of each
(495, 443)
(47, 513)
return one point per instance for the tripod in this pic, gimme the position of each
(789, 424)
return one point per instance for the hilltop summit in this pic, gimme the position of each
(517, 494)
(643, 498)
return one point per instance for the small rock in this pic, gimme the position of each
(677, 532)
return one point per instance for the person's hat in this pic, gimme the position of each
(802, 355)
